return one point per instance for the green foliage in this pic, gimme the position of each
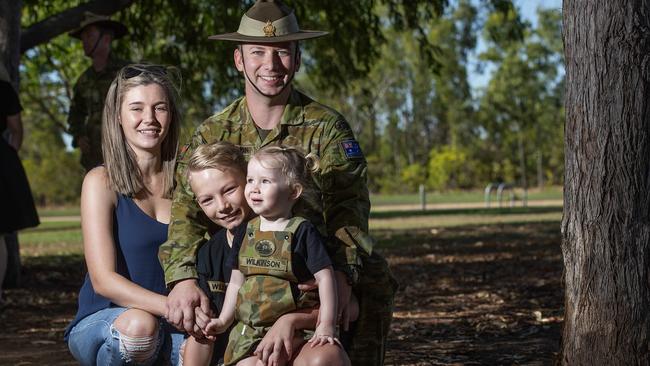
(47, 77)
(450, 167)
(414, 175)
(397, 70)
(521, 108)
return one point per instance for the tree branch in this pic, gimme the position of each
(66, 21)
(43, 107)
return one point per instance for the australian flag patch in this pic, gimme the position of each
(351, 149)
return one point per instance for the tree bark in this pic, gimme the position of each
(66, 21)
(606, 223)
(10, 37)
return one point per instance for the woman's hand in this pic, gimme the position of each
(278, 340)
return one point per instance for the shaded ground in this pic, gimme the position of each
(480, 295)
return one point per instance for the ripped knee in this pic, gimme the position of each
(138, 350)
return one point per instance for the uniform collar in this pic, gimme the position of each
(293, 114)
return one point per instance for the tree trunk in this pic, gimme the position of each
(10, 37)
(606, 223)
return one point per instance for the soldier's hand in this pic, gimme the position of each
(84, 144)
(344, 290)
(181, 301)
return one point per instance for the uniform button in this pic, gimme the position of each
(286, 237)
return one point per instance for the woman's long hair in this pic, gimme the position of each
(120, 161)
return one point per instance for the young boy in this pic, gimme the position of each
(217, 176)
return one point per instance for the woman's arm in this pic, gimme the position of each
(97, 206)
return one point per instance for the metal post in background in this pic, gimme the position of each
(423, 197)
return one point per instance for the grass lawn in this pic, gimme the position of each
(549, 193)
(64, 237)
(51, 238)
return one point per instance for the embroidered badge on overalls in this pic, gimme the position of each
(351, 149)
(265, 248)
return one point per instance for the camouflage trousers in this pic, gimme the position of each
(376, 293)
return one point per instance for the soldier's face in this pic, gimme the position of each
(89, 37)
(267, 191)
(220, 194)
(145, 117)
(270, 67)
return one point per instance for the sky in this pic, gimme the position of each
(528, 10)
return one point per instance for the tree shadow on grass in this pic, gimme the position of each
(486, 295)
(473, 295)
(35, 315)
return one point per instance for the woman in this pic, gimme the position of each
(17, 210)
(125, 211)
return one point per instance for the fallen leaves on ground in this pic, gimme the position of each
(476, 295)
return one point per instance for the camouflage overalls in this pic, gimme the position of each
(85, 116)
(340, 213)
(265, 261)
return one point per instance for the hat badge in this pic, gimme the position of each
(269, 29)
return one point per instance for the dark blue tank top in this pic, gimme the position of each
(137, 238)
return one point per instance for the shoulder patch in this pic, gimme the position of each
(342, 126)
(351, 149)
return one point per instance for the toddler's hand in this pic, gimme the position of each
(215, 326)
(324, 334)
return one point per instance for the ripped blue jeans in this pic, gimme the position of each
(94, 341)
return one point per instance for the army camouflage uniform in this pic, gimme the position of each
(265, 260)
(340, 214)
(85, 116)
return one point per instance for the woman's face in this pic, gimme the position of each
(145, 117)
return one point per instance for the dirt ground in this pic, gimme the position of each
(479, 295)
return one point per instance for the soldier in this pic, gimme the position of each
(273, 113)
(96, 32)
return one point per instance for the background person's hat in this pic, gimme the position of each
(119, 29)
(268, 21)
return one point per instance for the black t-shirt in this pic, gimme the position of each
(10, 104)
(213, 268)
(214, 275)
(309, 254)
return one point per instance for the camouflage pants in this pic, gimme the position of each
(376, 292)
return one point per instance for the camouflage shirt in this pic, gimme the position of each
(85, 116)
(341, 210)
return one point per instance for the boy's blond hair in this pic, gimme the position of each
(220, 155)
